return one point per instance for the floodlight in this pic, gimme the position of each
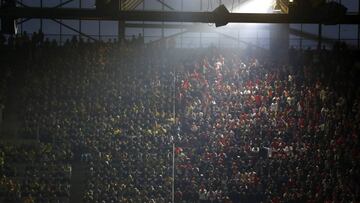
(220, 14)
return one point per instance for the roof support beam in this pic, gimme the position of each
(23, 21)
(22, 4)
(63, 3)
(168, 16)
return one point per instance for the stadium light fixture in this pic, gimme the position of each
(220, 14)
(252, 6)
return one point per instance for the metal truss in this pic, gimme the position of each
(75, 30)
(166, 5)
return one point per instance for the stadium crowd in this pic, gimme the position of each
(35, 173)
(246, 129)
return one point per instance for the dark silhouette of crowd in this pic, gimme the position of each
(245, 128)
